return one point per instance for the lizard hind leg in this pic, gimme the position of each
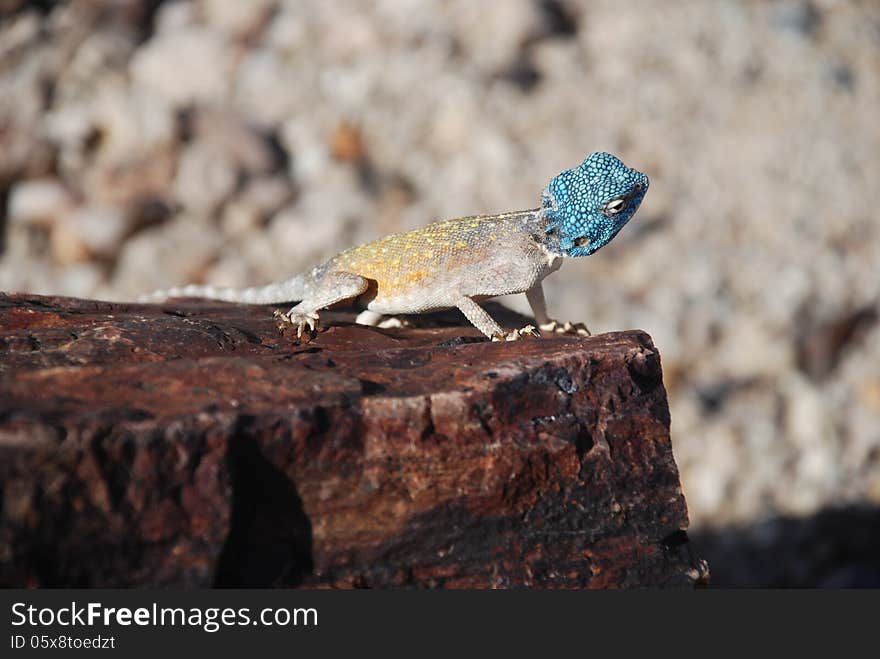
(375, 319)
(330, 289)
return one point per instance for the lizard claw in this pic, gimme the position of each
(305, 323)
(555, 327)
(515, 335)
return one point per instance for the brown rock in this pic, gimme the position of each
(189, 444)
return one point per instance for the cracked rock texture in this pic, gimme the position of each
(189, 444)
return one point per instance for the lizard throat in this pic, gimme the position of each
(550, 239)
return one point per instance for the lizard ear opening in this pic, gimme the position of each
(583, 241)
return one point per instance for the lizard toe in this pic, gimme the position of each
(565, 328)
(305, 323)
(528, 331)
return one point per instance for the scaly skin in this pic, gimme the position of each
(461, 262)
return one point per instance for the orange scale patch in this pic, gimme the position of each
(415, 277)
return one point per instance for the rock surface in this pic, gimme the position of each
(189, 444)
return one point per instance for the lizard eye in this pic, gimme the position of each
(583, 241)
(615, 206)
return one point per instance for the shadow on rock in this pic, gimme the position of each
(836, 548)
(270, 536)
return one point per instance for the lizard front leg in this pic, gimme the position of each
(535, 296)
(480, 319)
(331, 288)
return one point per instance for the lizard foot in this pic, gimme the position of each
(555, 327)
(515, 335)
(393, 322)
(305, 323)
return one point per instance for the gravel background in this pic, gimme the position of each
(145, 144)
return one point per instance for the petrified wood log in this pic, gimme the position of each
(190, 444)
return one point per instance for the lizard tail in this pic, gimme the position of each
(291, 290)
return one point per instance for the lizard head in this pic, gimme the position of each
(587, 205)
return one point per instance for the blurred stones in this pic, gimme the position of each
(237, 19)
(17, 31)
(312, 234)
(66, 245)
(223, 152)
(83, 276)
(800, 17)
(206, 176)
(820, 345)
(346, 143)
(253, 151)
(38, 202)
(164, 256)
(311, 156)
(191, 65)
(264, 90)
(130, 122)
(128, 183)
(100, 230)
(258, 201)
(175, 16)
(518, 22)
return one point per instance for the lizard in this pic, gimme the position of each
(458, 263)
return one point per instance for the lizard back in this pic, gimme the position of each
(430, 256)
